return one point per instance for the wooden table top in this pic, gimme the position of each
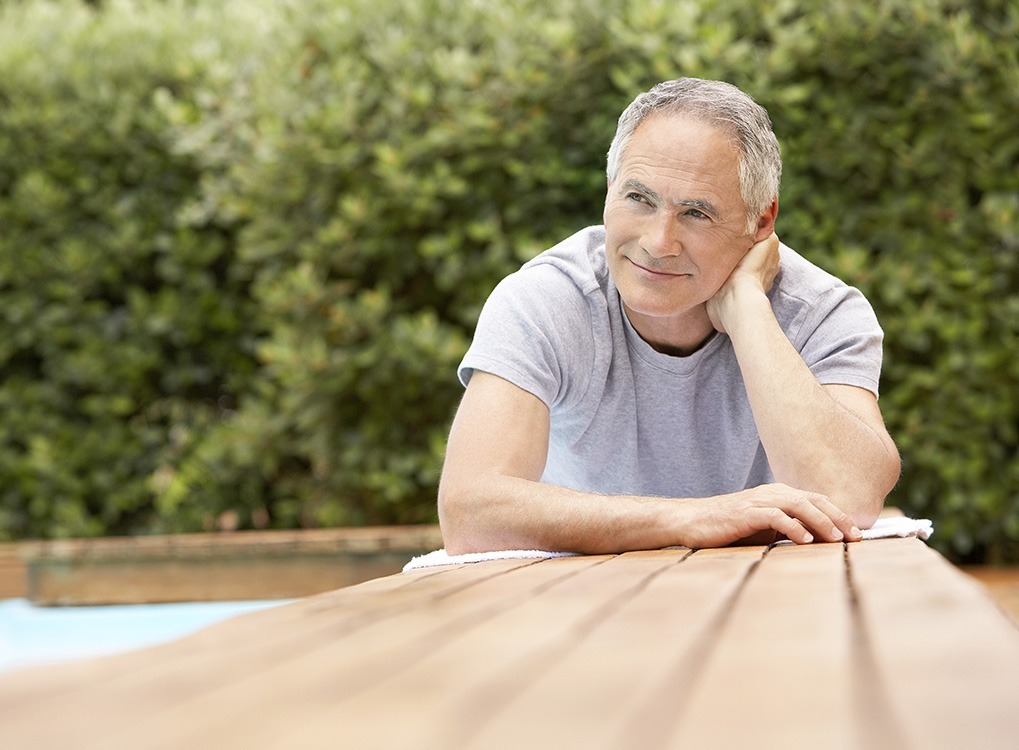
(879, 644)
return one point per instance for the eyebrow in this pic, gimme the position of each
(701, 205)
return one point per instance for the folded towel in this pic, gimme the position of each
(884, 527)
(439, 557)
(900, 526)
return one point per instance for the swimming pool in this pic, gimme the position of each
(36, 635)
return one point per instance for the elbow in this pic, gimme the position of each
(865, 517)
(474, 518)
(871, 494)
(454, 522)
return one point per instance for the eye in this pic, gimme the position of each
(697, 214)
(637, 198)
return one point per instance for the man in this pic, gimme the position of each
(676, 377)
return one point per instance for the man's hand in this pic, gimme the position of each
(756, 272)
(798, 515)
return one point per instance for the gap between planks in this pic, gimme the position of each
(117, 692)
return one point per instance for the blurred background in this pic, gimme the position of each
(243, 245)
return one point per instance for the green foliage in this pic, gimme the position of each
(125, 327)
(244, 245)
(913, 180)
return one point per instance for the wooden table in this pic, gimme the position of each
(880, 644)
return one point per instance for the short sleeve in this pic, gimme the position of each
(841, 339)
(535, 332)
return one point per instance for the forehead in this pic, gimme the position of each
(679, 146)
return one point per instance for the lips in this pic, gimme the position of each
(656, 273)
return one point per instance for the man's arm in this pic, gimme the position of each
(829, 439)
(490, 497)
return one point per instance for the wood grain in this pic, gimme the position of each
(873, 645)
(947, 658)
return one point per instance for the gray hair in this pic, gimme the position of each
(724, 106)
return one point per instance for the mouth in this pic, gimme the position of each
(656, 273)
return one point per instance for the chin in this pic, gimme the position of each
(651, 308)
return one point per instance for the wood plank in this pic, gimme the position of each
(341, 673)
(715, 648)
(345, 608)
(780, 669)
(610, 686)
(13, 572)
(98, 696)
(146, 580)
(216, 566)
(443, 697)
(947, 658)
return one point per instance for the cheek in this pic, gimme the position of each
(715, 267)
(616, 222)
(617, 235)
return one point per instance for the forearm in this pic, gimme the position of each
(504, 512)
(813, 442)
(498, 512)
(490, 496)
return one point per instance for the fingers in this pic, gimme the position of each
(841, 521)
(771, 242)
(761, 262)
(803, 516)
(776, 519)
(820, 515)
(766, 251)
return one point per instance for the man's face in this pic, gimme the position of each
(675, 224)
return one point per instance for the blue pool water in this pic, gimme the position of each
(35, 635)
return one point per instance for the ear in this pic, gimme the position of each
(766, 222)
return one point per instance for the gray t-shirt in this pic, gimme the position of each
(626, 419)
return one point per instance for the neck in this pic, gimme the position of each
(677, 337)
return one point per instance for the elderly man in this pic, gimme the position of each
(676, 377)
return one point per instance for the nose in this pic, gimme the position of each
(661, 237)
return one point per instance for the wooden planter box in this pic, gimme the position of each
(208, 567)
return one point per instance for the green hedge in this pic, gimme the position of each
(243, 245)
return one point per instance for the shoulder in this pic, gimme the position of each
(805, 292)
(577, 261)
(802, 280)
(562, 282)
(831, 323)
(540, 326)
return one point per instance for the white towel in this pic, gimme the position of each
(900, 526)
(884, 527)
(439, 557)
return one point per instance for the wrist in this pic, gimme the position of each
(686, 519)
(741, 304)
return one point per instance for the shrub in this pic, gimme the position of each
(400, 181)
(257, 242)
(126, 328)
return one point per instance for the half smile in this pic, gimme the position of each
(655, 273)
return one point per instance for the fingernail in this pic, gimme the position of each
(808, 538)
(838, 535)
(856, 533)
